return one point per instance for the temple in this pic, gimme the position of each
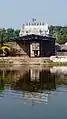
(35, 40)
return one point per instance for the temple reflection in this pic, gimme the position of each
(35, 81)
(35, 84)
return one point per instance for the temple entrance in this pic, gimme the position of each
(36, 53)
(35, 50)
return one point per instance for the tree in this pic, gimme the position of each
(60, 33)
(8, 35)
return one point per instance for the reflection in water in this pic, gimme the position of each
(35, 84)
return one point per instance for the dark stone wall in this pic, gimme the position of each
(24, 45)
(47, 45)
(47, 48)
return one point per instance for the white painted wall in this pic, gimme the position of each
(34, 29)
(33, 47)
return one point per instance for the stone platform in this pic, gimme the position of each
(24, 60)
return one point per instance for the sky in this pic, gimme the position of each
(13, 13)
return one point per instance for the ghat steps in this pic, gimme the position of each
(23, 60)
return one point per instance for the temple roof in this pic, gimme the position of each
(34, 28)
(36, 37)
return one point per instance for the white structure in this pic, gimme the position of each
(34, 49)
(36, 97)
(35, 75)
(34, 28)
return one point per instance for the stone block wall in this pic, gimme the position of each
(20, 48)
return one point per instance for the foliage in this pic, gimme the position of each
(60, 33)
(8, 35)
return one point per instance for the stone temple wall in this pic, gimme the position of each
(20, 48)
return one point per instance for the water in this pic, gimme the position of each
(33, 92)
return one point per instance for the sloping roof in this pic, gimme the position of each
(36, 37)
(64, 47)
(57, 47)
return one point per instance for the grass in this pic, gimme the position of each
(50, 63)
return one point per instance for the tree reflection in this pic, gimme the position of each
(32, 80)
(34, 83)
